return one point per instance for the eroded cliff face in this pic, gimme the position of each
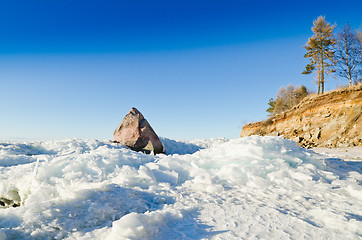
(333, 119)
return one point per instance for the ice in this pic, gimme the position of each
(247, 188)
(141, 226)
(189, 147)
(2, 235)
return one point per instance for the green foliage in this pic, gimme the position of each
(286, 99)
(309, 69)
(271, 104)
(319, 51)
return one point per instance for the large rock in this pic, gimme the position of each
(135, 132)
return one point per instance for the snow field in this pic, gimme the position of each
(248, 188)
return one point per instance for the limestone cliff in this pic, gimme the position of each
(333, 119)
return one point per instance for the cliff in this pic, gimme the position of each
(333, 119)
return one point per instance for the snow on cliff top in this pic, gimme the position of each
(248, 188)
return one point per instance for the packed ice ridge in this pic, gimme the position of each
(248, 188)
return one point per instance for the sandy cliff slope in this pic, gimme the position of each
(333, 119)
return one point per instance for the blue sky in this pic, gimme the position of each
(195, 69)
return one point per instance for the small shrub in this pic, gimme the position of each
(286, 99)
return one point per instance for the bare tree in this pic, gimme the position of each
(286, 99)
(348, 54)
(360, 40)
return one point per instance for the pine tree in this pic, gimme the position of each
(348, 54)
(271, 107)
(319, 51)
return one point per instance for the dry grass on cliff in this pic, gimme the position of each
(338, 95)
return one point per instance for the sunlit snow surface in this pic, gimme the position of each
(248, 188)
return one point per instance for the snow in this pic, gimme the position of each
(247, 188)
(345, 154)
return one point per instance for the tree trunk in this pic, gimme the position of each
(347, 63)
(322, 74)
(319, 77)
(322, 83)
(319, 86)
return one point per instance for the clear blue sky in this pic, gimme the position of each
(195, 69)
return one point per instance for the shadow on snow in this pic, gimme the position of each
(342, 168)
(188, 227)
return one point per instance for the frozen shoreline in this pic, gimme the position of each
(246, 188)
(345, 154)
